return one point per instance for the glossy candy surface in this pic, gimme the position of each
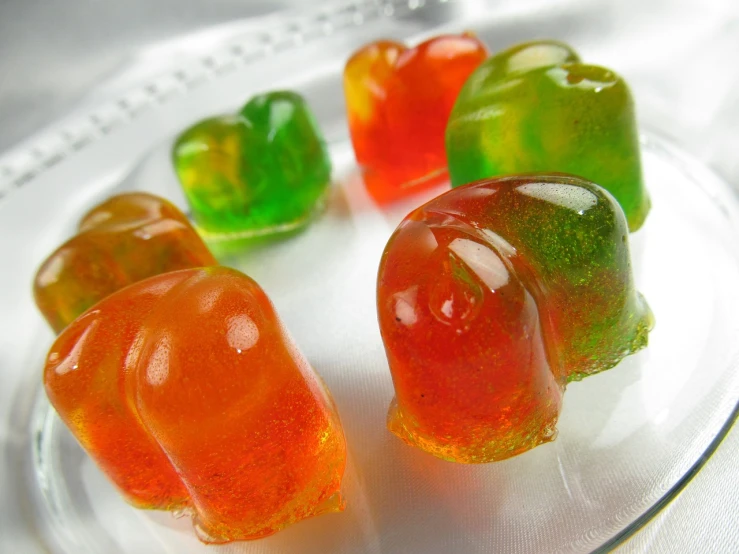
(536, 107)
(127, 238)
(492, 297)
(398, 103)
(189, 394)
(260, 172)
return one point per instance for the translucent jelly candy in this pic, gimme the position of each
(125, 239)
(536, 107)
(260, 172)
(189, 394)
(398, 103)
(494, 295)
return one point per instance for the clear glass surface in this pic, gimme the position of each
(627, 438)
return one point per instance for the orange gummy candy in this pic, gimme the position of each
(127, 238)
(187, 391)
(398, 102)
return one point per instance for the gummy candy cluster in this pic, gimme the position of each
(176, 374)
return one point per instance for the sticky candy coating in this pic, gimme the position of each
(260, 172)
(127, 238)
(492, 297)
(398, 103)
(536, 108)
(190, 378)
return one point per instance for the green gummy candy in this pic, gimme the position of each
(260, 172)
(536, 108)
(568, 239)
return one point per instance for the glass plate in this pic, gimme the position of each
(628, 438)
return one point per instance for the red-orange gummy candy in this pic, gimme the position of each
(127, 238)
(188, 392)
(494, 295)
(398, 102)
